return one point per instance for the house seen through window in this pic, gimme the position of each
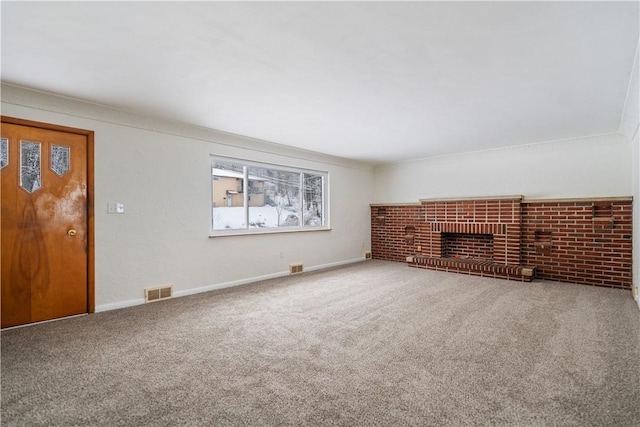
(261, 197)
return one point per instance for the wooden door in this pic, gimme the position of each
(45, 222)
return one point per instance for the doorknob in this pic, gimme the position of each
(71, 232)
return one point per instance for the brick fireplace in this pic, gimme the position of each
(586, 241)
(477, 236)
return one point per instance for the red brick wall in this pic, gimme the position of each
(590, 241)
(389, 237)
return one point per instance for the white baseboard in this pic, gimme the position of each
(193, 291)
(120, 304)
(334, 264)
(229, 284)
(259, 278)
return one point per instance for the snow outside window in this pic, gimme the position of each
(250, 197)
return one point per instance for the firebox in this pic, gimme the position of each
(467, 246)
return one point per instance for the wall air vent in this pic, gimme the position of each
(295, 268)
(159, 293)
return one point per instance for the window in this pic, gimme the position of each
(251, 197)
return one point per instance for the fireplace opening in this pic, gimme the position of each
(467, 246)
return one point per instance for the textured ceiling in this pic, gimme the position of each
(375, 81)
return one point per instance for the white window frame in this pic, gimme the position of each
(268, 230)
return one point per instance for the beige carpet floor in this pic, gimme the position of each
(371, 344)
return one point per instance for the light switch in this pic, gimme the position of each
(115, 208)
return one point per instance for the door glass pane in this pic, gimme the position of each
(30, 170)
(4, 152)
(60, 157)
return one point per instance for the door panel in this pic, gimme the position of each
(44, 225)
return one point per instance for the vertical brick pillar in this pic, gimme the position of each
(436, 243)
(500, 248)
(512, 243)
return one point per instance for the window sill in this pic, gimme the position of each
(253, 232)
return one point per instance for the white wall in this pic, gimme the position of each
(160, 171)
(636, 215)
(596, 166)
(629, 127)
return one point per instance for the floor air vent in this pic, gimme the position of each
(295, 268)
(159, 293)
(367, 255)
